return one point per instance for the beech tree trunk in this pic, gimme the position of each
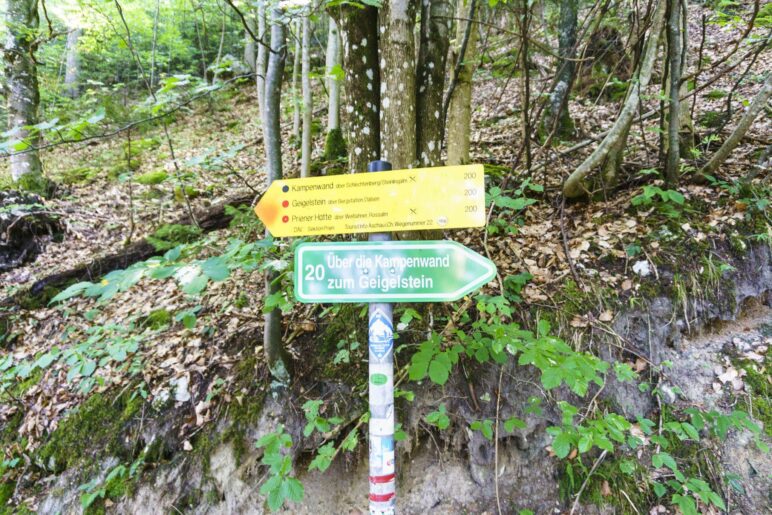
(459, 121)
(21, 21)
(295, 88)
(753, 110)
(674, 120)
(72, 65)
(250, 55)
(557, 117)
(398, 89)
(361, 122)
(276, 355)
(610, 149)
(308, 107)
(432, 56)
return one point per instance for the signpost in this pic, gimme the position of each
(394, 271)
(402, 200)
(380, 271)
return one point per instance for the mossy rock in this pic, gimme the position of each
(151, 178)
(334, 145)
(94, 430)
(79, 175)
(757, 379)
(36, 183)
(170, 235)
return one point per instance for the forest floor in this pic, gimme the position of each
(586, 261)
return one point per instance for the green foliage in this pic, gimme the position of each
(316, 422)
(431, 360)
(280, 485)
(79, 175)
(668, 202)
(36, 183)
(508, 206)
(158, 318)
(438, 418)
(483, 426)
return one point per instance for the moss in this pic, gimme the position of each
(36, 183)
(6, 492)
(712, 119)
(334, 145)
(158, 318)
(122, 167)
(635, 485)
(80, 175)
(757, 380)
(242, 300)
(170, 235)
(495, 170)
(716, 94)
(139, 146)
(190, 191)
(151, 178)
(94, 430)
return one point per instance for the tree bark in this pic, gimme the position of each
(397, 62)
(308, 107)
(262, 60)
(154, 44)
(459, 121)
(276, 355)
(295, 88)
(674, 119)
(250, 55)
(613, 144)
(72, 66)
(432, 58)
(557, 117)
(756, 106)
(361, 122)
(21, 21)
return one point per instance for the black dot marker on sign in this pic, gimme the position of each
(285, 188)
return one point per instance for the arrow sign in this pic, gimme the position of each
(445, 197)
(388, 271)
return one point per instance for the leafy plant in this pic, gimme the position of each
(281, 485)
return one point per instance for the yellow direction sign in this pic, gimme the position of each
(445, 197)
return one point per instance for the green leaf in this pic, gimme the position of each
(439, 370)
(659, 489)
(513, 423)
(88, 368)
(561, 445)
(196, 285)
(295, 489)
(216, 268)
(72, 291)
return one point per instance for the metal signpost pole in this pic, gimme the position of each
(381, 395)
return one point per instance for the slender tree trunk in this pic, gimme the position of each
(332, 60)
(262, 59)
(756, 106)
(397, 61)
(613, 144)
(296, 100)
(250, 54)
(674, 119)
(361, 121)
(21, 22)
(72, 68)
(154, 44)
(460, 105)
(526, 109)
(557, 117)
(276, 355)
(219, 50)
(432, 57)
(308, 107)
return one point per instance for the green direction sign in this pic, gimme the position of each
(388, 271)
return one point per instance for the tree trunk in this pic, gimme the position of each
(21, 21)
(557, 117)
(72, 67)
(250, 55)
(674, 119)
(459, 120)
(612, 146)
(361, 123)
(262, 60)
(154, 44)
(334, 145)
(397, 61)
(432, 56)
(756, 106)
(276, 355)
(308, 107)
(295, 88)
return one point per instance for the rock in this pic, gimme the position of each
(26, 225)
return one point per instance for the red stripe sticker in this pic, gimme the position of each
(381, 497)
(381, 479)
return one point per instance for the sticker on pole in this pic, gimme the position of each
(388, 271)
(381, 334)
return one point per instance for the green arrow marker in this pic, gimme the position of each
(388, 271)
